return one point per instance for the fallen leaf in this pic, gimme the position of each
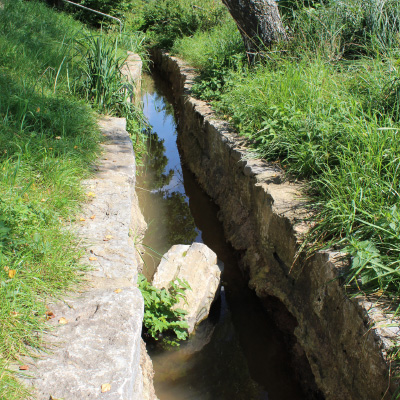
(49, 315)
(14, 314)
(24, 367)
(38, 110)
(11, 273)
(75, 147)
(6, 269)
(107, 238)
(92, 258)
(105, 387)
(118, 290)
(63, 321)
(50, 148)
(91, 194)
(82, 219)
(93, 217)
(58, 137)
(43, 200)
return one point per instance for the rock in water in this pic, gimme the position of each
(197, 264)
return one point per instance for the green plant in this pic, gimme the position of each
(160, 314)
(101, 79)
(164, 21)
(115, 8)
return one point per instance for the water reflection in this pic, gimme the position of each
(237, 353)
(161, 193)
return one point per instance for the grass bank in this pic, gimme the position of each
(49, 140)
(326, 106)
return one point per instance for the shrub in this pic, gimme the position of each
(166, 20)
(115, 8)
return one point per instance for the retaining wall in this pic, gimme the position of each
(263, 216)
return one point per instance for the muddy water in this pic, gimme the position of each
(238, 353)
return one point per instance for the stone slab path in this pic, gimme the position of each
(95, 348)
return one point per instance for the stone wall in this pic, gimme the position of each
(263, 216)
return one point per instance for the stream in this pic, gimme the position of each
(238, 352)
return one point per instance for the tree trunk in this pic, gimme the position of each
(258, 21)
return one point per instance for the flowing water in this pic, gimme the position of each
(237, 353)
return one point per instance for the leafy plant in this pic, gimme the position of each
(166, 20)
(161, 317)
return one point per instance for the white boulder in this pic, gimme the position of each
(197, 264)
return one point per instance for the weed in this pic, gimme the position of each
(161, 318)
(164, 21)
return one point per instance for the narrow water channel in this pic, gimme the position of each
(238, 353)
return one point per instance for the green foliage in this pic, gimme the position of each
(100, 65)
(215, 52)
(160, 314)
(115, 8)
(343, 28)
(165, 20)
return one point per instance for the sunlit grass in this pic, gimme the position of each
(328, 111)
(48, 142)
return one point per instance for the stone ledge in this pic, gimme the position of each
(100, 343)
(264, 218)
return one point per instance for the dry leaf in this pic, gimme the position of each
(63, 321)
(38, 110)
(58, 137)
(82, 219)
(75, 147)
(91, 194)
(14, 314)
(105, 387)
(11, 273)
(107, 238)
(43, 200)
(118, 290)
(92, 258)
(23, 367)
(6, 269)
(93, 217)
(49, 315)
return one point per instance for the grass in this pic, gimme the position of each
(48, 142)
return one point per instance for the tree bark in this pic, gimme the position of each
(259, 23)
